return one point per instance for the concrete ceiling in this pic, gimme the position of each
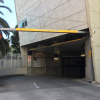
(69, 48)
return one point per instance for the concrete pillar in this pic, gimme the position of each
(89, 70)
(93, 16)
(23, 50)
(24, 56)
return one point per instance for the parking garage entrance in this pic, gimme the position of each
(61, 59)
(74, 67)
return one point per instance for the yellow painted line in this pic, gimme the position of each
(66, 42)
(46, 30)
(90, 53)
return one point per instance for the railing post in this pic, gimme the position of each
(18, 60)
(11, 60)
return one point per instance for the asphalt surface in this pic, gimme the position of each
(47, 88)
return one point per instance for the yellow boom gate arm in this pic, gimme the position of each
(41, 30)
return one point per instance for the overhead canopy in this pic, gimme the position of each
(73, 47)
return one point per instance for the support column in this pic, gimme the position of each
(24, 56)
(93, 16)
(89, 70)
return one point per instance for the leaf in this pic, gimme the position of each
(1, 13)
(4, 24)
(4, 43)
(4, 46)
(6, 8)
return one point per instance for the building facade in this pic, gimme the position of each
(69, 55)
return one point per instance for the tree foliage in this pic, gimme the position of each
(15, 42)
(4, 43)
(4, 46)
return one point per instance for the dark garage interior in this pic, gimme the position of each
(74, 67)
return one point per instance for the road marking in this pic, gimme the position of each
(36, 85)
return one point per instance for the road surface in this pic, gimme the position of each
(47, 88)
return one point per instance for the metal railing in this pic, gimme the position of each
(13, 61)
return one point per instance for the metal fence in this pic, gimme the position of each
(13, 61)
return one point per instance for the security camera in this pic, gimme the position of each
(93, 31)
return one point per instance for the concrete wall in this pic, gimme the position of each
(50, 14)
(38, 71)
(43, 64)
(12, 71)
(53, 66)
(14, 63)
(93, 13)
(38, 64)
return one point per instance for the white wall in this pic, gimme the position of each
(50, 14)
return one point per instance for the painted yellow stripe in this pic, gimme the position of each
(67, 41)
(90, 53)
(57, 44)
(46, 30)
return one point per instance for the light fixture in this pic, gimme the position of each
(56, 58)
(82, 55)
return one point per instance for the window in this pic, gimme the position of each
(23, 23)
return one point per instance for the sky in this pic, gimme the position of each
(9, 17)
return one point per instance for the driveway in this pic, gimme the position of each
(47, 88)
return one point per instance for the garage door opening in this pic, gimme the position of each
(74, 67)
(68, 62)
